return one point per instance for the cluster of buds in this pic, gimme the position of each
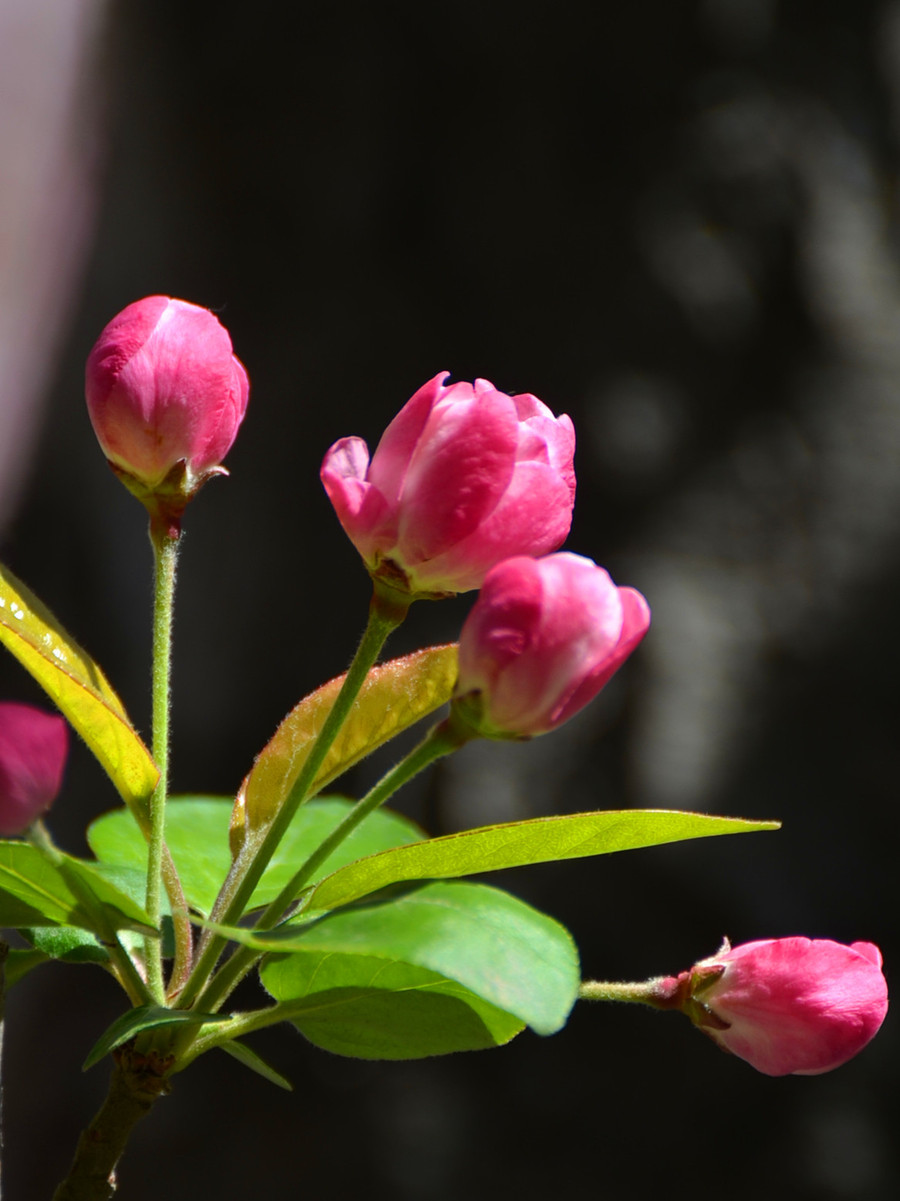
(468, 488)
(471, 488)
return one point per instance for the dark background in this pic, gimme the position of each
(676, 222)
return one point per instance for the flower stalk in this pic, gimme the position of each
(165, 551)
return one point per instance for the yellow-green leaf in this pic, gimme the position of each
(77, 686)
(516, 844)
(393, 698)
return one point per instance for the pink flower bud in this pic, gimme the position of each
(542, 639)
(463, 477)
(796, 1006)
(166, 396)
(33, 749)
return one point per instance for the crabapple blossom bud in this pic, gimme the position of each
(165, 395)
(542, 639)
(33, 749)
(463, 477)
(787, 1006)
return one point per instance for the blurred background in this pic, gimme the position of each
(677, 222)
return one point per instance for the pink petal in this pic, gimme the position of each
(393, 453)
(460, 469)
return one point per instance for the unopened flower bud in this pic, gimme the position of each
(788, 1006)
(542, 639)
(33, 749)
(463, 477)
(165, 395)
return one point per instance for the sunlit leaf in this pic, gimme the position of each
(493, 944)
(77, 686)
(394, 697)
(197, 836)
(515, 844)
(144, 1017)
(34, 892)
(372, 1008)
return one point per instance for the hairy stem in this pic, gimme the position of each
(662, 992)
(165, 552)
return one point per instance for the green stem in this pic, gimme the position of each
(165, 551)
(441, 740)
(181, 925)
(125, 970)
(386, 612)
(241, 1024)
(662, 992)
(444, 738)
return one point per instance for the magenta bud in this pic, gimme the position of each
(33, 750)
(166, 396)
(788, 1006)
(542, 639)
(463, 477)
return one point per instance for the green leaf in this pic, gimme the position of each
(34, 892)
(144, 1017)
(491, 943)
(19, 963)
(251, 1060)
(131, 881)
(197, 837)
(67, 943)
(515, 844)
(124, 912)
(372, 1008)
(31, 886)
(394, 697)
(77, 686)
